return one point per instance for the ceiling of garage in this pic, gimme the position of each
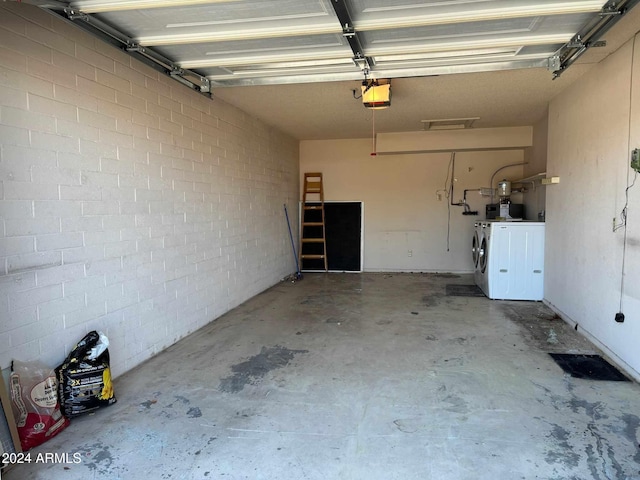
(295, 63)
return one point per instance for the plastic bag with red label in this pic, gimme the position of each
(34, 400)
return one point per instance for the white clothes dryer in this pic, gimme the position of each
(511, 260)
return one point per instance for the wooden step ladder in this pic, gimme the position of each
(313, 245)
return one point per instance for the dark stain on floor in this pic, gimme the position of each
(542, 328)
(194, 412)
(632, 426)
(597, 458)
(432, 299)
(97, 457)
(148, 403)
(256, 367)
(600, 454)
(179, 399)
(456, 404)
(593, 410)
(563, 452)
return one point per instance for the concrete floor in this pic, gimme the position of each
(371, 376)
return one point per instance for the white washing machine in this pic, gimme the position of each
(511, 260)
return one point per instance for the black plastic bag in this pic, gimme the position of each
(84, 378)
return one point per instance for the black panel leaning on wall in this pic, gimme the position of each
(343, 230)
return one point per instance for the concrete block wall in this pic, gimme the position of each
(129, 203)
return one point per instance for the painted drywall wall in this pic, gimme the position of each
(536, 158)
(130, 204)
(405, 206)
(592, 128)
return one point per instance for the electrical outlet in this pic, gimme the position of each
(635, 159)
(409, 253)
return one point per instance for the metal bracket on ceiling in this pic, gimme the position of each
(182, 75)
(610, 8)
(589, 35)
(349, 32)
(111, 35)
(554, 63)
(363, 64)
(575, 42)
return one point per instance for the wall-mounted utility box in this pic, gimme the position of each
(635, 160)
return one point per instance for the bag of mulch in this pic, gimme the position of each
(84, 378)
(34, 400)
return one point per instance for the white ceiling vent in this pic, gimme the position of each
(449, 123)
